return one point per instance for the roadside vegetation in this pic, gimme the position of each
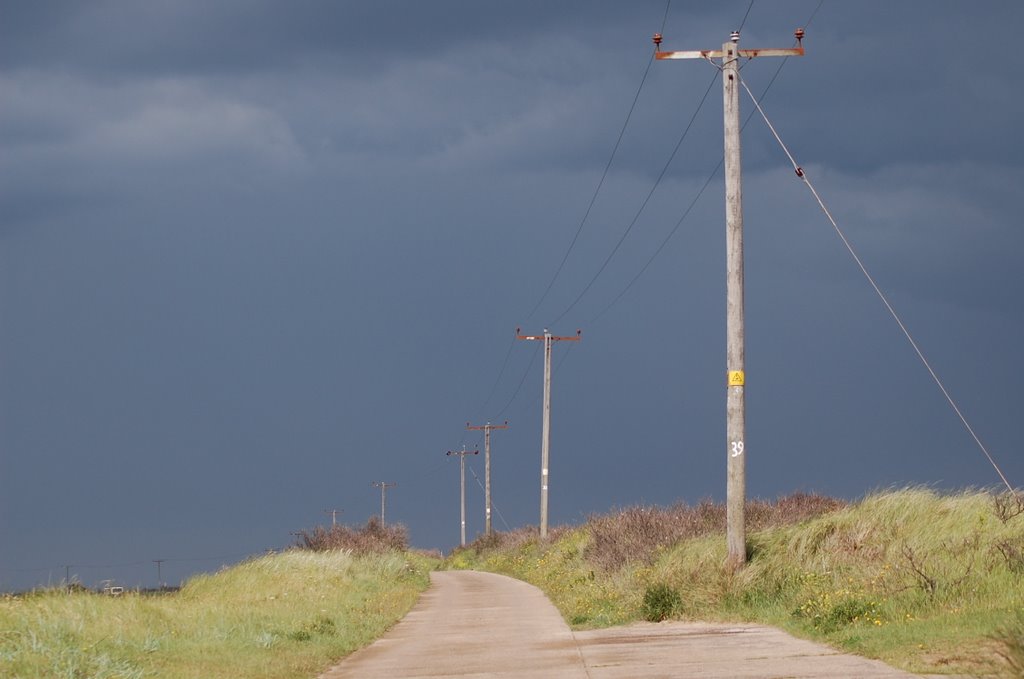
(290, 614)
(928, 582)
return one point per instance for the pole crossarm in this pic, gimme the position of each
(797, 51)
(718, 54)
(460, 453)
(552, 338)
(485, 427)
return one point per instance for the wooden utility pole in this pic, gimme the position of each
(462, 485)
(383, 495)
(545, 436)
(487, 468)
(159, 573)
(730, 56)
(334, 515)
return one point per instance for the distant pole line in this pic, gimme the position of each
(545, 441)
(132, 564)
(487, 467)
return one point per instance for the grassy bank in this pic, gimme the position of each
(926, 582)
(283, 615)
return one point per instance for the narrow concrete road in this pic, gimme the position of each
(474, 625)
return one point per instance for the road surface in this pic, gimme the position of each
(473, 625)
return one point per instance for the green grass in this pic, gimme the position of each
(284, 615)
(925, 581)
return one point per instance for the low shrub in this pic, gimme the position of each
(373, 538)
(636, 534)
(660, 602)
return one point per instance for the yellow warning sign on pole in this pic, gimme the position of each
(736, 378)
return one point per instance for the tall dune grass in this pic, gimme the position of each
(927, 581)
(283, 615)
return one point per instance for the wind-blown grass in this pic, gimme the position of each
(283, 615)
(926, 581)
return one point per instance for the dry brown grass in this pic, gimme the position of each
(636, 534)
(373, 538)
(514, 539)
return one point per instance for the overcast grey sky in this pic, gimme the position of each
(257, 255)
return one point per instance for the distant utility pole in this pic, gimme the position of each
(462, 486)
(383, 485)
(730, 57)
(545, 436)
(487, 468)
(159, 574)
(334, 515)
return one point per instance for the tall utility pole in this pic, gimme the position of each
(334, 516)
(487, 468)
(545, 436)
(730, 56)
(462, 486)
(383, 495)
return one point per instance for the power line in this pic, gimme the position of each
(526, 372)
(496, 510)
(700, 192)
(588, 211)
(109, 565)
(742, 23)
(565, 257)
(643, 205)
(643, 269)
(425, 472)
(811, 18)
(131, 564)
(807, 182)
(501, 372)
(600, 182)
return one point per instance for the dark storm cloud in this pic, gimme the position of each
(188, 37)
(256, 255)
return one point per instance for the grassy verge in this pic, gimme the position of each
(283, 615)
(927, 582)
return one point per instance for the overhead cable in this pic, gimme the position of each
(802, 174)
